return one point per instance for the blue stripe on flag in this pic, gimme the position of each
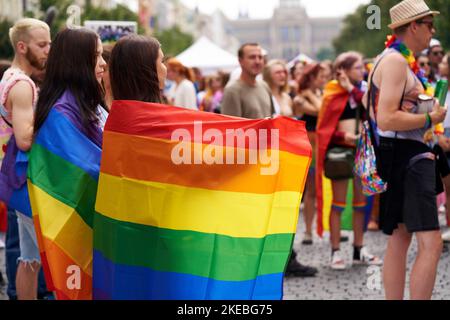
(122, 282)
(70, 143)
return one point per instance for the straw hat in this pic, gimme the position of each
(408, 11)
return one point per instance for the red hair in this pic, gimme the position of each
(179, 68)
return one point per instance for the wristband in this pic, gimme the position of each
(428, 122)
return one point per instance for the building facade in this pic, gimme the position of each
(13, 10)
(289, 32)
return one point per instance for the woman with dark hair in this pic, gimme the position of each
(337, 126)
(137, 70)
(72, 83)
(307, 104)
(424, 63)
(64, 161)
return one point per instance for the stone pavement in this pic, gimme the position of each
(356, 283)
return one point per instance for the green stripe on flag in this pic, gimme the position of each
(64, 181)
(188, 252)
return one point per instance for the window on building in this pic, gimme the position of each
(284, 33)
(297, 34)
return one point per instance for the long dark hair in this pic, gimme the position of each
(71, 66)
(133, 69)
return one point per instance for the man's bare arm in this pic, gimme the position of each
(21, 99)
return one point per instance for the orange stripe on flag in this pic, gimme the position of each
(64, 277)
(121, 160)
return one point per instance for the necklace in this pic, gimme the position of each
(394, 43)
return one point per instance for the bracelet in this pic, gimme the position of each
(428, 122)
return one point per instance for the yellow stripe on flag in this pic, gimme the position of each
(233, 214)
(327, 201)
(62, 225)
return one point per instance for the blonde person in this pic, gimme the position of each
(275, 74)
(182, 93)
(307, 105)
(214, 92)
(30, 39)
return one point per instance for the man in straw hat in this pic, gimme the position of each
(405, 162)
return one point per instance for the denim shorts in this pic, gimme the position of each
(29, 250)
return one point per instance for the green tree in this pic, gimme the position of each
(6, 50)
(173, 41)
(355, 34)
(326, 54)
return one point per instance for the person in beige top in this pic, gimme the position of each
(247, 97)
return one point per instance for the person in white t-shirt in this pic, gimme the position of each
(182, 93)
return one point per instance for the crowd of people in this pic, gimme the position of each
(83, 77)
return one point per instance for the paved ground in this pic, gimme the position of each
(357, 283)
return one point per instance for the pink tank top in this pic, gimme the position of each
(10, 78)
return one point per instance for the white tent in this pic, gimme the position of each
(301, 57)
(208, 57)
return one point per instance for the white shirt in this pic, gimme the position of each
(184, 95)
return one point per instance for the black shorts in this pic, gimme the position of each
(412, 186)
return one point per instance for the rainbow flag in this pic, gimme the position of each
(62, 182)
(172, 222)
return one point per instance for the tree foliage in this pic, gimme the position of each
(356, 35)
(173, 41)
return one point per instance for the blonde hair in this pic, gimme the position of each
(21, 30)
(267, 73)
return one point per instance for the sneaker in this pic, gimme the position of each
(307, 239)
(446, 236)
(337, 262)
(367, 259)
(296, 269)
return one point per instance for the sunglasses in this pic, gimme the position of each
(430, 24)
(423, 64)
(437, 53)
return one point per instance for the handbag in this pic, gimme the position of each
(366, 164)
(339, 160)
(366, 160)
(339, 163)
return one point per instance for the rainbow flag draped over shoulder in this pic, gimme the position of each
(165, 229)
(334, 100)
(62, 181)
(333, 105)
